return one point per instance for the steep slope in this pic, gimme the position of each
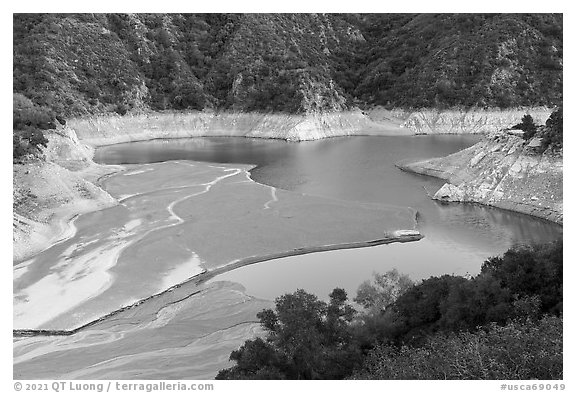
(79, 63)
(501, 171)
(447, 60)
(76, 64)
(462, 121)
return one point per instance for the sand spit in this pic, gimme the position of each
(134, 323)
(173, 228)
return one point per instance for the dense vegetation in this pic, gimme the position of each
(75, 64)
(529, 349)
(439, 60)
(79, 64)
(28, 122)
(505, 323)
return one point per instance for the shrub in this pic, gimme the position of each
(518, 350)
(527, 125)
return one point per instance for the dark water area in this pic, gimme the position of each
(458, 237)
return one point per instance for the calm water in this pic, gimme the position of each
(458, 237)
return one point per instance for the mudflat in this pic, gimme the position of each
(178, 220)
(186, 333)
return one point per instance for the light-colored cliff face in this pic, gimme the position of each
(501, 171)
(472, 121)
(106, 130)
(48, 193)
(99, 131)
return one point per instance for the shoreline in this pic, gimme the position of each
(484, 205)
(499, 172)
(431, 196)
(397, 237)
(389, 235)
(110, 129)
(66, 223)
(59, 224)
(106, 129)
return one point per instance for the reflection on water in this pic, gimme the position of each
(458, 236)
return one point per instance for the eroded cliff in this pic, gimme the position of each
(460, 121)
(106, 130)
(502, 171)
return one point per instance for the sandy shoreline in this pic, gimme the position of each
(208, 275)
(279, 220)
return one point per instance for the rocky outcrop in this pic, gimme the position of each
(501, 171)
(465, 121)
(106, 130)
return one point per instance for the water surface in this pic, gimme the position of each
(458, 237)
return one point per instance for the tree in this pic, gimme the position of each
(527, 125)
(384, 289)
(553, 133)
(306, 339)
(504, 323)
(531, 271)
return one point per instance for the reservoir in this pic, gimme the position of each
(178, 217)
(458, 237)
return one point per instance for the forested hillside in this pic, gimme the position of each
(77, 64)
(445, 60)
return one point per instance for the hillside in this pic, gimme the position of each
(79, 64)
(447, 60)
